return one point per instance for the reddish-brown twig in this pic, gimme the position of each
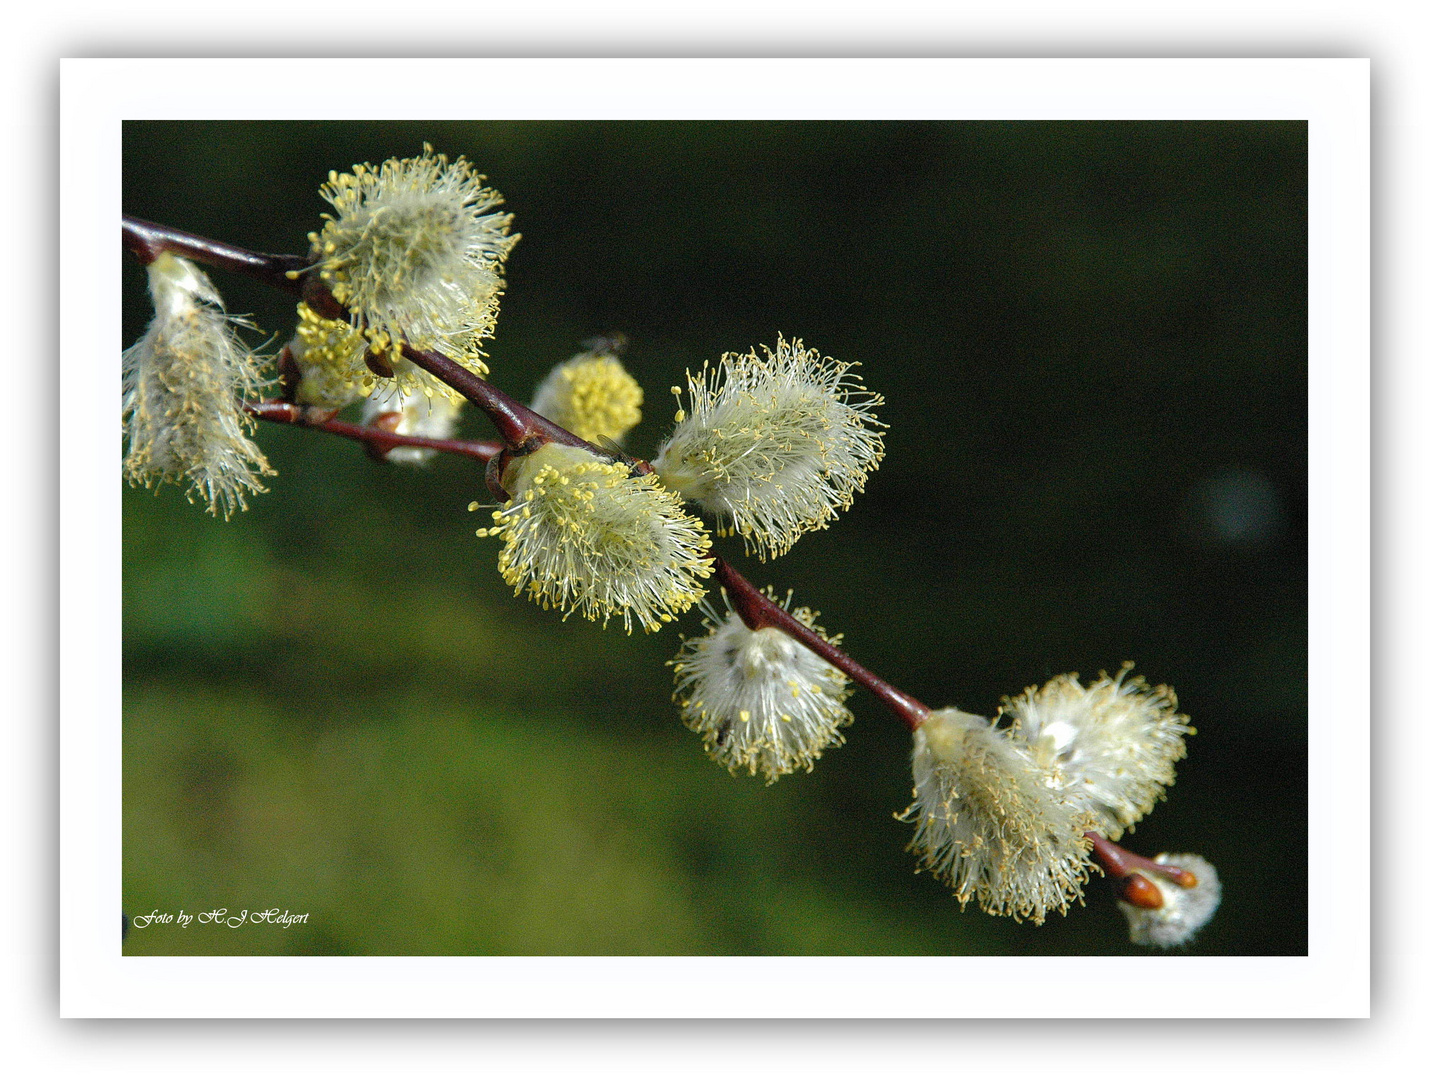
(376, 438)
(758, 611)
(147, 241)
(522, 430)
(1130, 872)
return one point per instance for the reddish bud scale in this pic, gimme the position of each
(1140, 892)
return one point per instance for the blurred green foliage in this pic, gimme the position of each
(1092, 338)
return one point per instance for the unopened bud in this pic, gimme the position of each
(1183, 910)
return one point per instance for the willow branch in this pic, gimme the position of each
(147, 241)
(1132, 874)
(522, 430)
(377, 439)
(759, 611)
(1119, 862)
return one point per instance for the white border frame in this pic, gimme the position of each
(1332, 95)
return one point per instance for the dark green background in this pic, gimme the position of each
(1092, 339)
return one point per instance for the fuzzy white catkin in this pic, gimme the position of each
(1184, 911)
(415, 254)
(773, 445)
(1002, 806)
(991, 822)
(761, 701)
(1111, 744)
(184, 385)
(585, 535)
